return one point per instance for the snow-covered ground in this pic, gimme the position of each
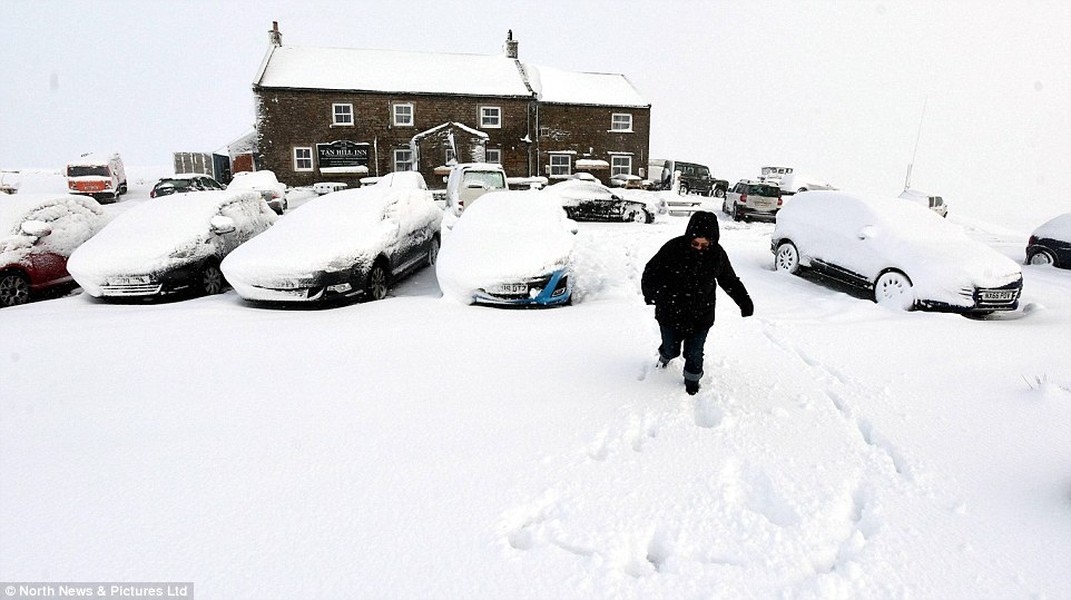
(417, 448)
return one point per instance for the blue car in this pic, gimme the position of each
(511, 248)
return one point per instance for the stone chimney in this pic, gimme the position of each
(511, 45)
(275, 37)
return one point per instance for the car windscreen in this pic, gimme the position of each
(180, 185)
(489, 179)
(763, 190)
(88, 171)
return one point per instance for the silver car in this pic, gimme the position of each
(750, 199)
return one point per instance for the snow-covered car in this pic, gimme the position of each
(627, 180)
(354, 242)
(904, 254)
(592, 201)
(173, 244)
(795, 183)
(184, 183)
(511, 249)
(934, 203)
(1050, 244)
(38, 233)
(264, 182)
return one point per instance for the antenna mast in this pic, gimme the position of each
(907, 182)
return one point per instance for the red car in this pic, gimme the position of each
(38, 232)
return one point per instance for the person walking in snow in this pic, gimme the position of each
(680, 281)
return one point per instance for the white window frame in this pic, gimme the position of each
(620, 164)
(490, 117)
(401, 119)
(621, 122)
(405, 164)
(493, 155)
(558, 170)
(342, 115)
(303, 154)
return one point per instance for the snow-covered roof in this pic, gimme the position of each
(292, 67)
(602, 89)
(392, 71)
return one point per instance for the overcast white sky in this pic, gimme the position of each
(834, 88)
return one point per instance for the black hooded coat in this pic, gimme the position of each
(681, 281)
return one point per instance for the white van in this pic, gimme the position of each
(100, 176)
(468, 181)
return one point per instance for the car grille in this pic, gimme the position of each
(131, 289)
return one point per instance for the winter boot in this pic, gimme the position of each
(661, 364)
(692, 387)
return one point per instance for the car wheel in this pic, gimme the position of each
(377, 282)
(736, 212)
(682, 190)
(211, 279)
(433, 251)
(14, 289)
(893, 290)
(636, 215)
(787, 258)
(648, 217)
(1042, 257)
(719, 193)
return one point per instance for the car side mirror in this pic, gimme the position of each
(222, 225)
(37, 229)
(866, 232)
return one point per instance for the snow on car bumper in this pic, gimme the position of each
(549, 290)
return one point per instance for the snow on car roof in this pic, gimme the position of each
(15, 207)
(248, 180)
(1058, 228)
(333, 232)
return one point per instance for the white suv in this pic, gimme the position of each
(748, 199)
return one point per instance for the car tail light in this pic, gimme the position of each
(780, 200)
(743, 198)
(1033, 240)
(152, 193)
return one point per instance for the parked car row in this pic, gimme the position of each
(510, 248)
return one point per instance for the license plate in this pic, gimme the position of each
(135, 280)
(998, 295)
(510, 288)
(763, 204)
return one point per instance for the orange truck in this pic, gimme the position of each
(98, 175)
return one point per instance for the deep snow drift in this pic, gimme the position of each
(415, 447)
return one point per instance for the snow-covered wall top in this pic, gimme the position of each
(431, 73)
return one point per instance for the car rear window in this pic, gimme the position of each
(763, 190)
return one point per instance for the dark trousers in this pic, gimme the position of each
(693, 343)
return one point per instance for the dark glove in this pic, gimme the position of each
(747, 307)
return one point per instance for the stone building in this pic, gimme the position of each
(336, 114)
